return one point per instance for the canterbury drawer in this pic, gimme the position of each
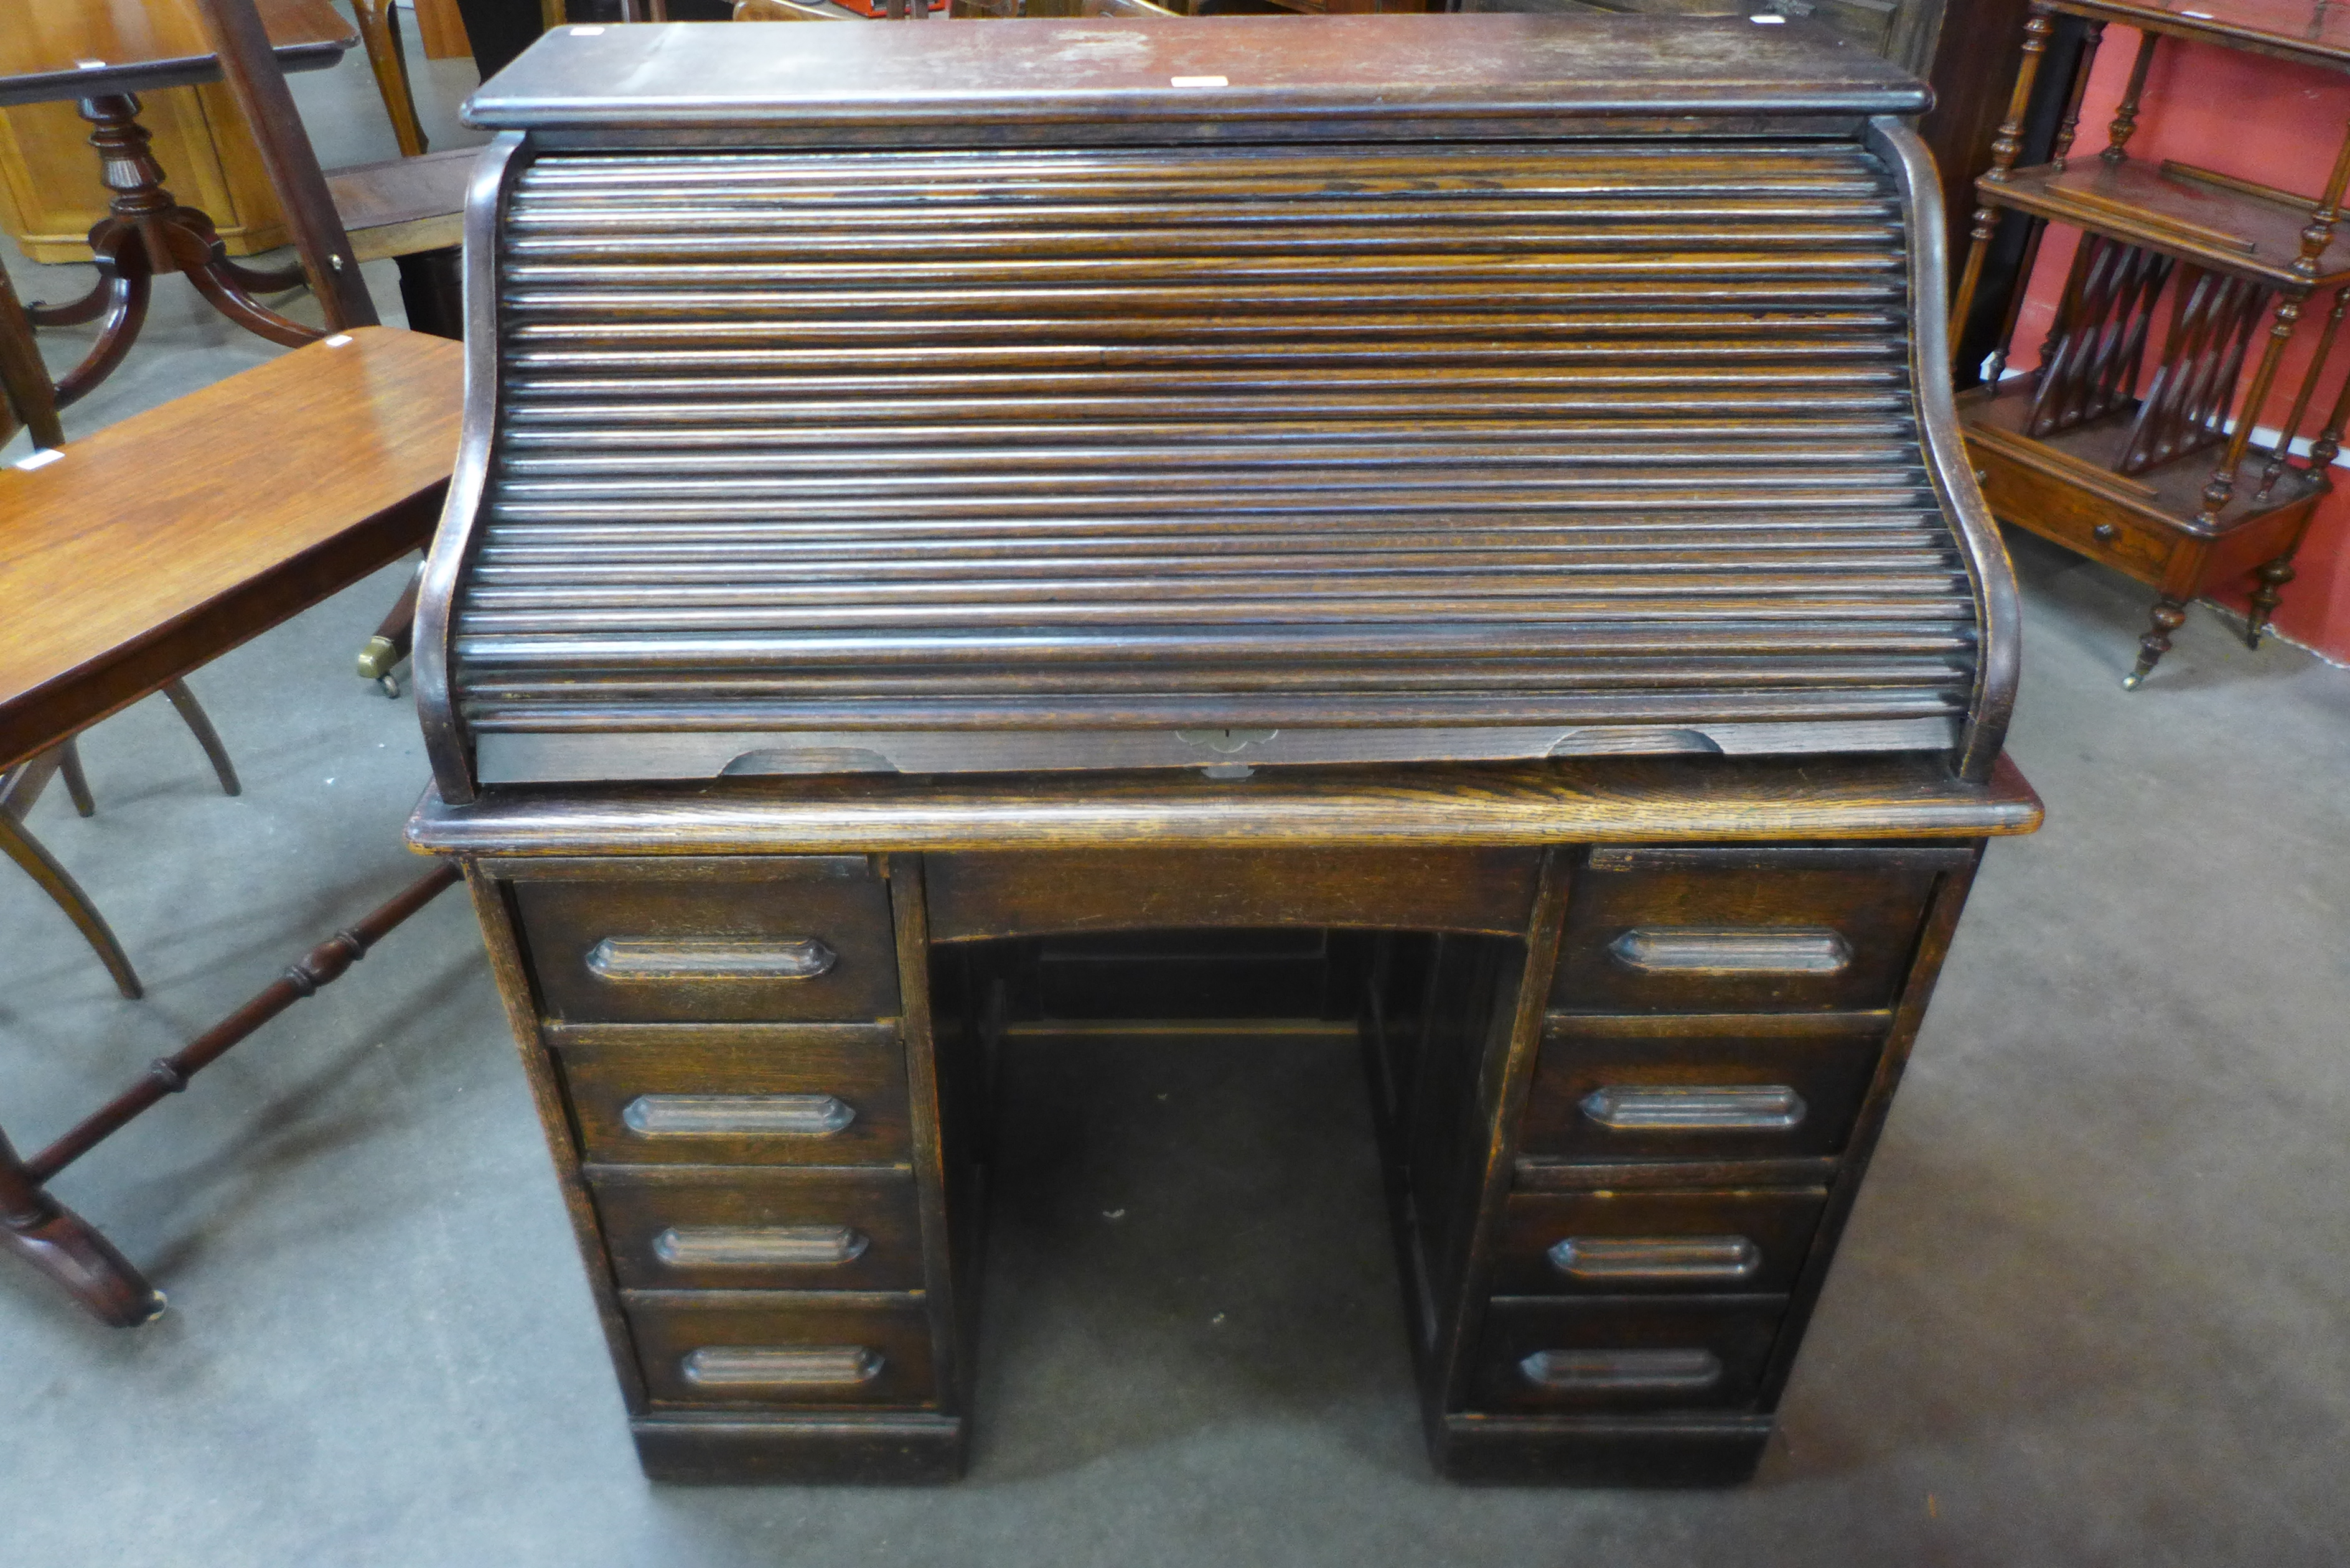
(1618, 1243)
(1700, 1087)
(772, 1347)
(1646, 1353)
(671, 1227)
(810, 1094)
(755, 938)
(1732, 930)
(2053, 508)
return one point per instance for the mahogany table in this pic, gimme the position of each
(244, 504)
(104, 56)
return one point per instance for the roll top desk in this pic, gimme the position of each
(1481, 486)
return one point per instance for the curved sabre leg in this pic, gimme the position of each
(69, 1250)
(253, 280)
(201, 723)
(74, 312)
(127, 285)
(58, 884)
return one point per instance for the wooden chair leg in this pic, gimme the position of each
(390, 643)
(76, 782)
(58, 884)
(24, 384)
(380, 31)
(201, 723)
(69, 1250)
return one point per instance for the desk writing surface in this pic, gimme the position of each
(155, 522)
(145, 45)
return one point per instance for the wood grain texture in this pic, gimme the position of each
(641, 1204)
(606, 1067)
(1030, 892)
(670, 1326)
(1392, 66)
(243, 504)
(565, 923)
(1595, 801)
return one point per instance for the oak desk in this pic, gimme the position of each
(1480, 487)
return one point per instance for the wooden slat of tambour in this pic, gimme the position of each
(1346, 711)
(671, 427)
(1463, 434)
(1520, 676)
(1054, 463)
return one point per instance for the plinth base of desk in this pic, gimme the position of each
(1601, 1450)
(792, 1449)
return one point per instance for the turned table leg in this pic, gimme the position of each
(2273, 575)
(2168, 616)
(146, 232)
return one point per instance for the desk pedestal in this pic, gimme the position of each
(1626, 1080)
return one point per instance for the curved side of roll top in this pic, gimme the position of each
(446, 746)
(1998, 616)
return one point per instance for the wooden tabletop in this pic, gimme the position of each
(162, 542)
(80, 48)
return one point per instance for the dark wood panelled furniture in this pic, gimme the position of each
(1479, 492)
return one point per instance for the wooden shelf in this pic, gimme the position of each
(2305, 30)
(2178, 213)
(2086, 455)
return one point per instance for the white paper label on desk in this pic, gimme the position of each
(89, 65)
(584, 32)
(1197, 82)
(40, 459)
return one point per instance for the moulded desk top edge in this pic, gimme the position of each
(1627, 800)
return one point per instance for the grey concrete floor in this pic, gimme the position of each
(2094, 1306)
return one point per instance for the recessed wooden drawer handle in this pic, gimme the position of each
(1662, 1371)
(759, 1366)
(1732, 950)
(1726, 1107)
(631, 958)
(1676, 1257)
(736, 1115)
(759, 1246)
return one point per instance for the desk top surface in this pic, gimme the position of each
(150, 524)
(1044, 70)
(52, 49)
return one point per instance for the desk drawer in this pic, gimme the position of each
(762, 939)
(1705, 1087)
(812, 1094)
(744, 1228)
(1640, 1243)
(1652, 1354)
(776, 1347)
(1709, 929)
